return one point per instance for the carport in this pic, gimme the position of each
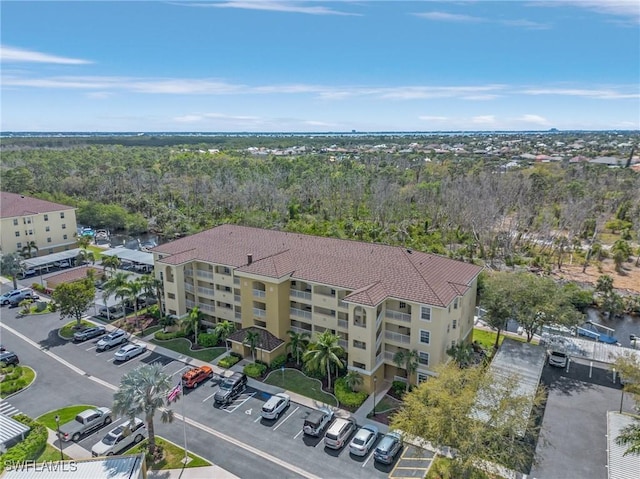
(619, 466)
(11, 432)
(134, 256)
(40, 262)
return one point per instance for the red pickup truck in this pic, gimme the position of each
(195, 376)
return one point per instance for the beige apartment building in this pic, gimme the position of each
(25, 221)
(377, 299)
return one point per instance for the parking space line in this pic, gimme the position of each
(321, 442)
(89, 349)
(296, 436)
(208, 397)
(181, 369)
(369, 457)
(282, 422)
(236, 406)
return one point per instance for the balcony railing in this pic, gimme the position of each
(296, 293)
(300, 330)
(189, 287)
(342, 304)
(205, 291)
(388, 355)
(259, 293)
(301, 313)
(400, 338)
(398, 316)
(379, 358)
(379, 341)
(236, 298)
(204, 274)
(343, 324)
(207, 307)
(238, 315)
(188, 272)
(343, 343)
(361, 323)
(190, 304)
(259, 312)
(379, 320)
(324, 314)
(236, 280)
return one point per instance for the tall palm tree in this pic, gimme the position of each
(84, 242)
(143, 391)
(132, 290)
(152, 288)
(11, 265)
(114, 285)
(461, 353)
(324, 353)
(407, 360)
(298, 343)
(111, 262)
(86, 255)
(28, 248)
(251, 339)
(223, 330)
(191, 323)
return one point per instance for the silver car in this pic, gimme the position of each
(129, 351)
(275, 405)
(361, 443)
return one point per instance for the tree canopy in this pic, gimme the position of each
(75, 298)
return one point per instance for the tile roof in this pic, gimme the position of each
(374, 271)
(268, 341)
(12, 204)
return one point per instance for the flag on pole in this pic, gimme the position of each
(174, 393)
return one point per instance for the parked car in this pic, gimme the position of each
(120, 438)
(130, 351)
(230, 389)
(275, 405)
(361, 443)
(27, 272)
(112, 312)
(316, 421)
(558, 359)
(86, 421)
(388, 448)
(8, 358)
(6, 297)
(62, 264)
(15, 301)
(114, 338)
(339, 432)
(89, 333)
(196, 376)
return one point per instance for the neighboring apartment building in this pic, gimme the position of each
(26, 221)
(378, 299)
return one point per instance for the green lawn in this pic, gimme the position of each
(50, 453)
(387, 404)
(173, 456)
(150, 330)
(10, 386)
(183, 346)
(488, 338)
(66, 414)
(297, 382)
(68, 329)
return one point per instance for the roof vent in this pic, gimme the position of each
(249, 259)
(409, 251)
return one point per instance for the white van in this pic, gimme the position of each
(339, 432)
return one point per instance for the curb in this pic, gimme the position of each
(35, 375)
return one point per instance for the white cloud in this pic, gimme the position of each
(18, 55)
(99, 95)
(432, 118)
(461, 18)
(200, 117)
(534, 119)
(483, 120)
(607, 94)
(629, 9)
(271, 6)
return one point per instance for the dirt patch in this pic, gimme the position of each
(628, 281)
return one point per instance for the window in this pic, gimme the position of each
(171, 295)
(49, 240)
(455, 324)
(47, 228)
(422, 377)
(425, 336)
(64, 236)
(358, 365)
(46, 217)
(226, 270)
(30, 232)
(423, 358)
(18, 234)
(403, 305)
(15, 222)
(448, 328)
(62, 215)
(359, 344)
(453, 344)
(19, 245)
(261, 324)
(455, 303)
(64, 226)
(425, 313)
(333, 292)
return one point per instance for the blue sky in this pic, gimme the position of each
(261, 66)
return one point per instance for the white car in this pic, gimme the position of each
(120, 438)
(361, 443)
(275, 405)
(129, 351)
(114, 338)
(62, 264)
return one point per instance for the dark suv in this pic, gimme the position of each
(230, 388)
(8, 358)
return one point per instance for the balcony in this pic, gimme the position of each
(236, 298)
(397, 337)
(236, 280)
(379, 359)
(205, 274)
(344, 344)
(188, 272)
(189, 287)
(259, 293)
(379, 320)
(210, 308)
(205, 291)
(342, 304)
(300, 330)
(397, 315)
(261, 313)
(343, 324)
(325, 313)
(190, 304)
(388, 355)
(238, 315)
(300, 313)
(300, 294)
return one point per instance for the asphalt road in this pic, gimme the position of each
(234, 437)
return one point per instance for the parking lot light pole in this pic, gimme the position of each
(375, 382)
(57, 418)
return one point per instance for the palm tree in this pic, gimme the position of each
(152, 288)
(191, 323)
(85, 255)
(111, 262)
(132, 290)
(298, 343)
(28, 248)
(407, 360)
(461, 353)
(143, 391)
(251, 339)
(114, 285)
(11, 265)
(324, 353)
(223, 330)
(353, 380)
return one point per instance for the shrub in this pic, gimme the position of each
(11, 386)
(41, 306)
(279, 361)
(208, 340)
(162, 336)
(399, 388)
(31, 447)
(255, 370)
(346, 396)
(228, 361)
(53, 306)
(237, 355)
(38, 287)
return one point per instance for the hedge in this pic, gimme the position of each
(162, 336)
(255, 370)
(278, 361)
(31, 447)
(208, 340)
(228, 361)
(400, 388)
(346, 396)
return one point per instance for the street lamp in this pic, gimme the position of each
(57, 418)
(375, 382)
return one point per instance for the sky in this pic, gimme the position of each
(319, 66)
